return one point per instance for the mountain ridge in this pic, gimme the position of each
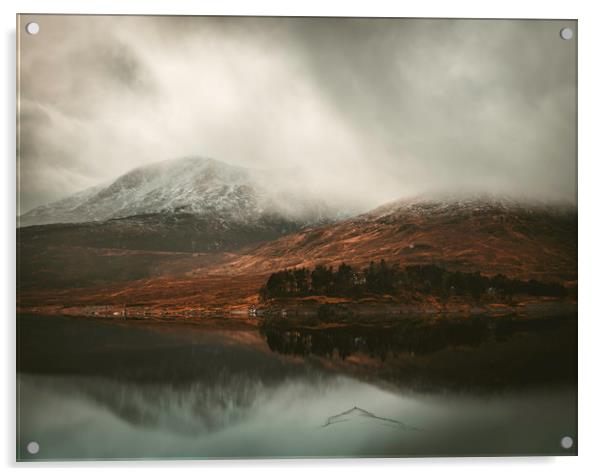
(520, 242)
(519, 239)
(189, 185)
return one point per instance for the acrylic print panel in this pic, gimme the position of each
(296, 237)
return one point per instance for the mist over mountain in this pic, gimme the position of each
(196, 186)
(490, 234)
(354, 105)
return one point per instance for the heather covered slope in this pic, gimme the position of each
(483, 235)
(490, 236)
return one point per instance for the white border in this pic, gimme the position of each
(590, 237)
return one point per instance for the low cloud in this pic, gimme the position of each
(367, 111)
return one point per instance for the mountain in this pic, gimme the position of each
(480, 234)
(59, 211)
(486, 234)
(195, 186)
(170, 232)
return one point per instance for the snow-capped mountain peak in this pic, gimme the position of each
(191, 185)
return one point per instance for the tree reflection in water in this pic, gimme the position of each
(419, 336)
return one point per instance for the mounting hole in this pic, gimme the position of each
(566, 33)
(566, 442)
(33, 447)
(32, 28)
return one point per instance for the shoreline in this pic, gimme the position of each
(324, 310)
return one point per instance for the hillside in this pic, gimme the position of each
(178, 232)
(486, 235)
(489, 236)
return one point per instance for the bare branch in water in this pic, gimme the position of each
(360, 412)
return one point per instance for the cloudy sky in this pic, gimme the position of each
(366, 110)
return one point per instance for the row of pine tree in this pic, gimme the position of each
(384, 278)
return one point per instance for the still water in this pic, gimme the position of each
(89, 389)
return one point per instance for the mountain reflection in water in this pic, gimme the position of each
(94, 389)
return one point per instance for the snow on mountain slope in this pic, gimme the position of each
(191, 185)
(59, 211)
(457, 207)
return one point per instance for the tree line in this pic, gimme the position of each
(384, 278)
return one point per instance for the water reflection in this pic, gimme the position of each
(90, 389)
(411, 336)
(418, 336)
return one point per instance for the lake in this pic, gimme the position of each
(100, 389)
